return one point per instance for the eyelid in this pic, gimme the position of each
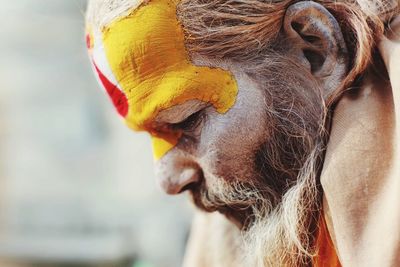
(180, 113)
(189, 123)
(193, 114)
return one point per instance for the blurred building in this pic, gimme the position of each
(77, 186)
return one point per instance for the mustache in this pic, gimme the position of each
(242, 202)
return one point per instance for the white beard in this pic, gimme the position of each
(280, 238)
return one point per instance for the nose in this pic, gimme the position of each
(174, 175)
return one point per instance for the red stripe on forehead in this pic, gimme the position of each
(117, 96)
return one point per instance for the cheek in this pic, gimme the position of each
(231, 157)
(229, 142)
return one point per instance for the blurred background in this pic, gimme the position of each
(77, 186)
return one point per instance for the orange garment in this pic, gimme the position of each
(326, 254)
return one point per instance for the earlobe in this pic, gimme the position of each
(318, 42)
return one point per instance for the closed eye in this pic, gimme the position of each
(190, 124)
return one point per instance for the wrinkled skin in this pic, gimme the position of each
(209, 149)
(231, 148)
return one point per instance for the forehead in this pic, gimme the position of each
(138, 51)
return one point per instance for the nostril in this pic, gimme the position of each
(187, 179)
(176, 176)
(189, 187)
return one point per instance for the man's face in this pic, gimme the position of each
(216, 151)
(232, 137)
(241, 163)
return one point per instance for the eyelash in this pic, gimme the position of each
(190, 124)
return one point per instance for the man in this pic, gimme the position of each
(237, 97)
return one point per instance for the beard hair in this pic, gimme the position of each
(239, 201)
(285, 236)
(290, 164)
(271, 234)
(278, 209)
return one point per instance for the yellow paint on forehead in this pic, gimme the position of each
(146, 53)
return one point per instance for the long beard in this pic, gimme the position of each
(285, 237)
(272, 234)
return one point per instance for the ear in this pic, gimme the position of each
(317, 42)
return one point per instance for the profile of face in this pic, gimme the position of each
(254, 149)
(234, 96)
